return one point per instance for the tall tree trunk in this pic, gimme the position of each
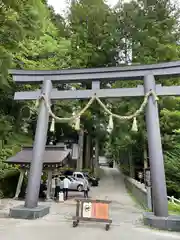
(79, 165)
(87, 155)
(96, 158)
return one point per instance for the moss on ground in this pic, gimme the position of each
(174, 208)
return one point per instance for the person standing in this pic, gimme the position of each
(86, 188)
(66, 184)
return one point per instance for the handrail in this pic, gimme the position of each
(173, 200)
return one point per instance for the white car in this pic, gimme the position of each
(75, 185)
(80, 176)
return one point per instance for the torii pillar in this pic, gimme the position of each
(31, 209)
(159, 217)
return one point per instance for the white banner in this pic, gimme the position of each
(87, 209)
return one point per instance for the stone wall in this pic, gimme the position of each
(137, 190)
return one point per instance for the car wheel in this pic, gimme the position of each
(80, 188)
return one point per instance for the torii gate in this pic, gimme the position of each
(148, 73)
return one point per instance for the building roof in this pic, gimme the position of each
(52, 155)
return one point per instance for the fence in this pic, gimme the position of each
(173, 200)
(139, 192)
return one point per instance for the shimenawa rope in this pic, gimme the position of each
(76, 117)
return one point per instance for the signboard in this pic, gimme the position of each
(92, 210)
(95, 210)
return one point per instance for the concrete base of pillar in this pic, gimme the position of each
(170, 223)
(22, 212)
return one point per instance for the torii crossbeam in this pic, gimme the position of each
(97, 75)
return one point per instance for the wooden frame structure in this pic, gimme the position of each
(79, 212)
(54, 157)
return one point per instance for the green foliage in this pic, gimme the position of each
(19, 20)
(150, 29)
(8, 183)
(148, 32)
(9, 174)
(92, 38)
(172, 166)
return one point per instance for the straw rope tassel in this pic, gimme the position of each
(111, 124)
(134, 125)
(52, 127)
(77, 124)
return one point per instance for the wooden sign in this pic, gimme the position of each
(92, 210)
(95, 210)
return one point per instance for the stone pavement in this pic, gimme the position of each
(126, 216)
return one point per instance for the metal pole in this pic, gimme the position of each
(159, 191)
(34, 179)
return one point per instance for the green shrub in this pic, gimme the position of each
(8, 183)
(174, 208)
(8, 174)
(172, 166)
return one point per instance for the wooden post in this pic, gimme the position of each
(49, 181)
(20, 182)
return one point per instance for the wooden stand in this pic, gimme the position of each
(93, 211)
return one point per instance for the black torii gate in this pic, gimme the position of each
(148, 73)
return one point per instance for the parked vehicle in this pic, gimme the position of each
(81, 176)
(75, 185)
(103, 161)
(77, 175)
(84, 175)
(93, 181)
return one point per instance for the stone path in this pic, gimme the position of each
(126, 216)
